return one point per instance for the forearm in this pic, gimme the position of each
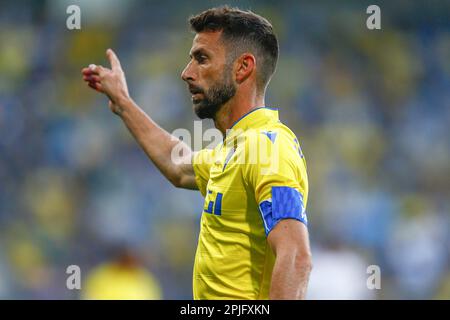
(156, 142)
(290, 277)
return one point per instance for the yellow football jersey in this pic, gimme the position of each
(252, 180)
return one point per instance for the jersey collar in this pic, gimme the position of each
(254, 119)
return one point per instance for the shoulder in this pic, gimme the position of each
(274, 137)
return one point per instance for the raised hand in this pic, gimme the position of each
(111, 82)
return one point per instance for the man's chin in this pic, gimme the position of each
(202, 111)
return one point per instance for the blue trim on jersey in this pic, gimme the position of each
(287, 203)
(242, 117)
(265, 208)
(271, 135)
(227, 159)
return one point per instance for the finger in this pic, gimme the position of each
(91, 78)
(93, 69)
(96, 86)
(86, 71)
(115, 63)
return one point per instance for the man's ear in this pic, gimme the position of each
(245, 66)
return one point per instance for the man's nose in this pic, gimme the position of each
(187, 74)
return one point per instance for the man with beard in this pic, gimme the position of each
(253, 242)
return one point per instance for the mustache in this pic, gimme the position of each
(194, 89)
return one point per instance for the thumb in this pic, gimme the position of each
(115, 63)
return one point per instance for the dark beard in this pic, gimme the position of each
(214, 99)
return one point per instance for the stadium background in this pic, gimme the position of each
(371, 108)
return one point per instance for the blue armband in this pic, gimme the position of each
(286, 203)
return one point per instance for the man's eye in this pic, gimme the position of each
(201, 59)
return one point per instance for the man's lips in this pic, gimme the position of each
(195, 98)
(194, 90)
(196, 93)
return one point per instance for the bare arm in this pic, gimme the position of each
(158, 145)
(155, 141)
(290, 243)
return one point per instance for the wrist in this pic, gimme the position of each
(123, 101)
(123, 104)
(120, 106)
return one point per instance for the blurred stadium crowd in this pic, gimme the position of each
(371, 108)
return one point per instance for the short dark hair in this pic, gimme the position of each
(242, 31)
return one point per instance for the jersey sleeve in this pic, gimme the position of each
(201, 163)
(278, 177)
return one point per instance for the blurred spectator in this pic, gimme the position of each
(338, 273)
(417, 249)
(123, 278)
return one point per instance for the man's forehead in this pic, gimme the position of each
(207, 40)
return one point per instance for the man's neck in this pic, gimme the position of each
(234, 110)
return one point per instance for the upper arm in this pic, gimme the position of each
(281, 187)
(187, 176)
(290, 236)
